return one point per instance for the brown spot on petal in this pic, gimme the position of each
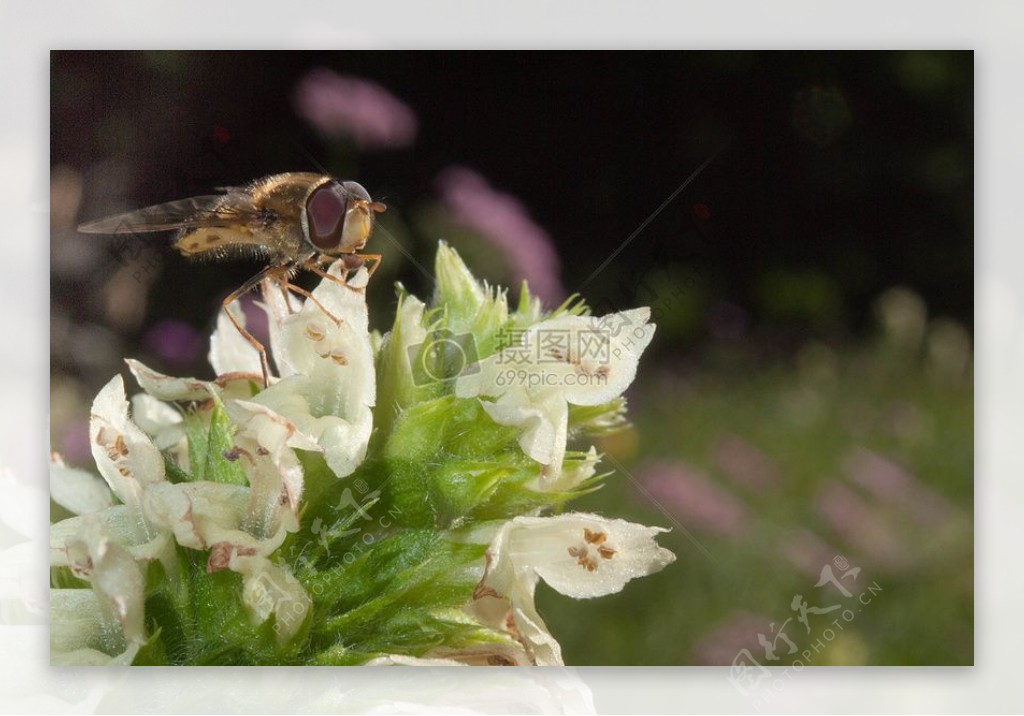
(499, 660)
(314, 332)
(482, 591)
(220, 556)
(339, 358)
(82, 569)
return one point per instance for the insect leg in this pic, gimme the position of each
(235, 295)
(313, 265)
(303, 292)
(376, 258)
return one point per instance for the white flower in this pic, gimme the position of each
(577, 471)
(578, 554)
(230, 352)
(159, 420)
(131, 464)
(323, 352)
(325, 357)
(164, 424)
(77, 491)
(583, 360)
(265, 442)
(104, 624)
(125, 456)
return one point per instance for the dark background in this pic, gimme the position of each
(849, 169)
(836, 176)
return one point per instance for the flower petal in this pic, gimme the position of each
(579, 471)
(333, 380)
(585, 359)
(397, 389)
(202, 514)
(584, 555)
(78, 491)
(159, 420)
(266, 440)
(168, 388)
(311, 342)
(79, 634)
(121, 523)
(544, 420)
(124, 455)
(165, 387)
(279, 305)
(595, 359)
(115, 577)
(230, 352)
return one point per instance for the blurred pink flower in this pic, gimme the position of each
(176, 342)
(744, 464)
(343, 106)
(74, 444)
(694, 498)
(506, 223)
(807, 552)
(891, 483)
(864, 527)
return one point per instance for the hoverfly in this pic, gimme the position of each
(296, 220)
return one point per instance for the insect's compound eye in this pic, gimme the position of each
(325, 214)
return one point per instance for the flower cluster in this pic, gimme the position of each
(385, 500)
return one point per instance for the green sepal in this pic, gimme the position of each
(210, 442)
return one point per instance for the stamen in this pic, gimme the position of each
(314, 332)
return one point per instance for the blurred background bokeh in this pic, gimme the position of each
(806, 409)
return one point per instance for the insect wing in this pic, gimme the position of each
(215, 210)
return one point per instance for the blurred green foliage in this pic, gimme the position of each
(898, 397)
